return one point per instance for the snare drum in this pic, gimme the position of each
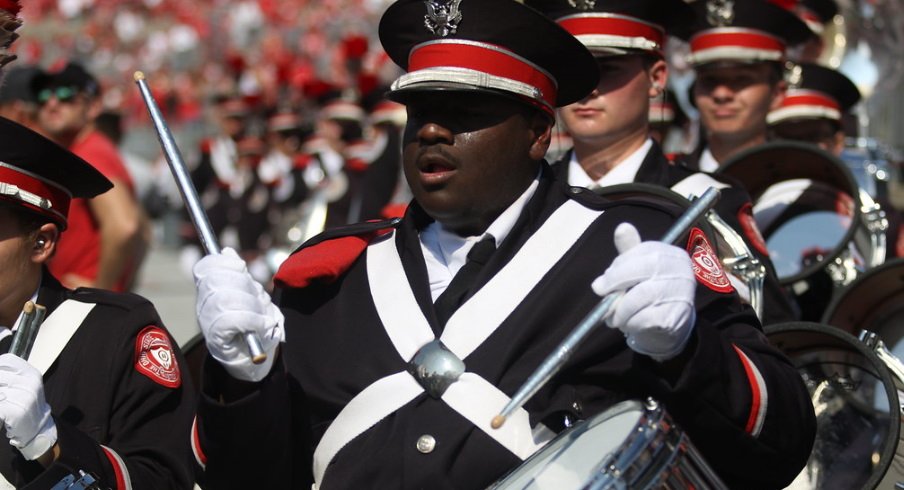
(631, 445)
(856, 404)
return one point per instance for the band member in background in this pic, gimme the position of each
(738, 50)
(493, 264)
(815, 106)
(611, 126)
(103, 391)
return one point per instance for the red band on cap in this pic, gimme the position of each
(59, 198)
(488, 59)
(749, 39)
(809, 98)
(608, 25)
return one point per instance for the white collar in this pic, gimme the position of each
(624, 172)
(708, 162)
(446, 252)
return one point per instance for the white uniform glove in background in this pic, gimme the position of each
(23, 409)
(656, 312)
(230, 303)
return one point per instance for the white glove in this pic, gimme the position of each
(231, 303)
(23, 409)
(656, 313)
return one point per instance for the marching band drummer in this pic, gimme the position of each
(492, 266)
(737, 51)
(102, 392)
(611, 126)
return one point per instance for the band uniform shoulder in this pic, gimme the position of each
(325, 257)
(125, 301)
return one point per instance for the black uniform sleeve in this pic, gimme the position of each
(145, 443)
(251, 441)
(741, 401)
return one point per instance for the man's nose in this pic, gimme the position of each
(434, 132)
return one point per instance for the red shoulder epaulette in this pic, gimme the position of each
(327, 256)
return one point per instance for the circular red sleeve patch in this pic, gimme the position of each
(154, 357)
(707, 265)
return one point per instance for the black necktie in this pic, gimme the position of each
(458, 288)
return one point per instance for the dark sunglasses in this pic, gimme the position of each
(62, 94)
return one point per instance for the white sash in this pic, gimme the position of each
(696, 184)
(471, 396)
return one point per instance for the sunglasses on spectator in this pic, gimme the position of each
(62, 94)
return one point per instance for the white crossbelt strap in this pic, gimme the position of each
(55, 332)
(696, 185)
(53, 335)
(471, 396)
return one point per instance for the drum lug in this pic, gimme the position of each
(842, 270)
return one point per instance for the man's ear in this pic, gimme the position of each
(44, 243)
(778, 94)
(541, 134)
(658, 74)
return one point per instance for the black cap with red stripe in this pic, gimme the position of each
(815, 92)
(743, 30)
(613, 27)
(498, 46)
(41, 176)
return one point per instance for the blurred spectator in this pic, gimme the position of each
(17, 103)
(107, 237)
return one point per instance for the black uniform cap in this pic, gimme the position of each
(620, 26)
(743, 30)
(815, 92)
(41, 176)
(497, 46)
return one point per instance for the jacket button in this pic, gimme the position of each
(426, 443)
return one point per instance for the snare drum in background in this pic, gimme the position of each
(821, 229)
(631, 445)
(857, 408)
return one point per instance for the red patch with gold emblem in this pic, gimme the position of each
(706, 264)
(751, 230)
(154, 357)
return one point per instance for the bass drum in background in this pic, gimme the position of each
(821, 229)
(858, 419)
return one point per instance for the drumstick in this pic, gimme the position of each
(554, 362)
(190, 195)
(24, 336)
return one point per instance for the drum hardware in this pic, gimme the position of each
(733, 252)
(189, 195)
(631, 445)
(597, 315)
(876, 223)
(857, 407)
(743, 264)
(85, 481)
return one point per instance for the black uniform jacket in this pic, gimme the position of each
(336, 347)
(734, 206)
(112, 420)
